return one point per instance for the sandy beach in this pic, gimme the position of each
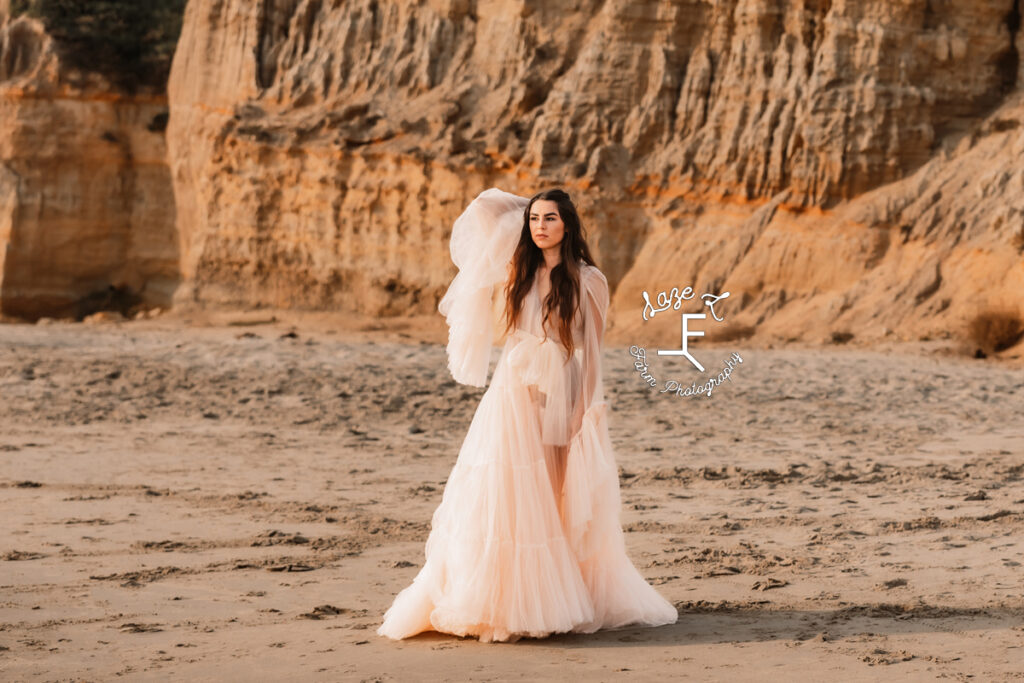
(227, 469)
(241, 500)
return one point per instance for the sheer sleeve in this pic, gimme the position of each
(594, 307)
(591, 493)
(483, 240)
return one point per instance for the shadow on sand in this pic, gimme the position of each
(703, 623)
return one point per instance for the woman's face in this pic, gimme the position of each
(546, 226)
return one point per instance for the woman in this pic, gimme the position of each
(527, 539)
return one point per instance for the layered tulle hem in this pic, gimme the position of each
(618, 595)
(516, 591)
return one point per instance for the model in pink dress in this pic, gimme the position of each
(527, 539)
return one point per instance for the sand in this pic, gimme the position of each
(188, 498)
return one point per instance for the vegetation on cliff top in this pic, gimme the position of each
(129, 42)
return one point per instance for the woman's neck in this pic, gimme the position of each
(552, 257)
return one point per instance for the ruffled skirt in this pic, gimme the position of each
(527, 539)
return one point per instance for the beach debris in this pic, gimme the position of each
(322, 611)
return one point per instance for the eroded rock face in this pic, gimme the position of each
(833, 165)
(86, 202)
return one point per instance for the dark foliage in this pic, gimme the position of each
(995, 330)
(114, 298)
(130, 42)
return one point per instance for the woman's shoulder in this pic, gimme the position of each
(592, 275)
(594, 284)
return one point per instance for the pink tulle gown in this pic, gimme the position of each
(527, 539)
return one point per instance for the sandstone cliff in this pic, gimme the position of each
(849, 167)
(841, 168)
(86, 204)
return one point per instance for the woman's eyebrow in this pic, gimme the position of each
(549, 213)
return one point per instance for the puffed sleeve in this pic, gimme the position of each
(483, 240)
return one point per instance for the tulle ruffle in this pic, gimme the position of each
(593, 527)
(591, 491)
(543, 363)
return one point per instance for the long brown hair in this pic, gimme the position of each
(564, 298)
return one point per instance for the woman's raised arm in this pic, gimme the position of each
(484, 237)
